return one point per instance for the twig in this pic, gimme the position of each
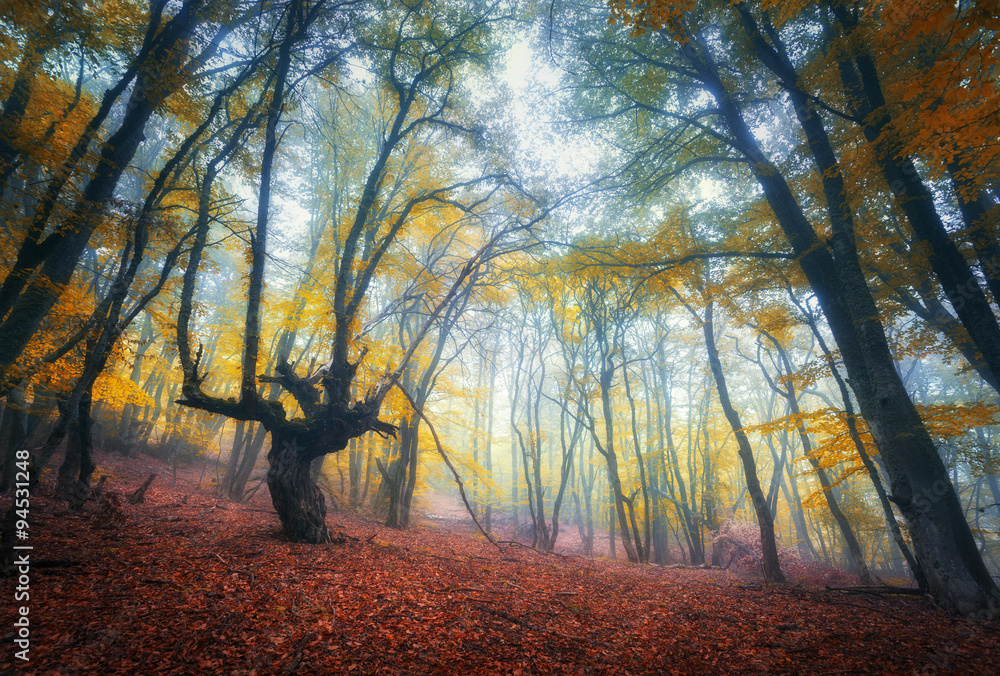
(880, 590)
(56, 563)
(297, 660)
(249, 493)
(248, 573)
(448, 590)
(515, 543)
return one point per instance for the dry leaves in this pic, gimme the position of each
(188, 586)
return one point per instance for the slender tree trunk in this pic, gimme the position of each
(369, 463)
(488, 509)
(859, 445)
(645, 542)
(354, 472)
(788, 392)
(239, 443)
(606, 370)
(612, 515)
(772, 567)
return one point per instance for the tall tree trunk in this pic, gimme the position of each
(980, 213)
(788, 392)
(863, 87)
(354, 461)
(605, 373)
(78, 465)
(771, 565)
(612, 515)
(488, 509)
(943, 541)
(409, 482)
(690, 522)
(644, 542)
(84, 440)
(239, 443)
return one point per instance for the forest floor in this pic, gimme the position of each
(186, 584)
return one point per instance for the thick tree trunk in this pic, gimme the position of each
(389, 489)
(69, 470)
(296, 497)
(863, 87)
(942, 539)
(980, 213)
(73, 480)
(410, 482)
(394, 477)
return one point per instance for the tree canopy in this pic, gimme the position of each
(657, 269)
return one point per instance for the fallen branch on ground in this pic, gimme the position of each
(878, 590)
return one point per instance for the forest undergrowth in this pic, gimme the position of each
(186, 584)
